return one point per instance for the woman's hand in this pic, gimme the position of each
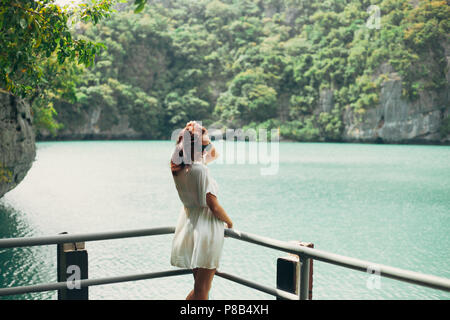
(211, 154)
(206, 139)
(229, 224)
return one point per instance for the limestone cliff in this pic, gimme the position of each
(393, 120)
(398, 120)
(91, 123)
(17, 141)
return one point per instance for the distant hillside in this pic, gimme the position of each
(317, 70)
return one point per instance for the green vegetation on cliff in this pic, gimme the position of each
(296, 65)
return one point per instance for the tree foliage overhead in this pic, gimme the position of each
(39, 56)
(34, 30)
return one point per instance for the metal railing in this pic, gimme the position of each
(305, 255)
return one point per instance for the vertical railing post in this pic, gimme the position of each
(290, 270)
(72, 265)
(305, 263)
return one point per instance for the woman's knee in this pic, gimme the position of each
(203, 281)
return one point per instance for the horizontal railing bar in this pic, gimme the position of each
(91, 282)
(257, 286)
(352, 263)
(68, 238)
(343, 261)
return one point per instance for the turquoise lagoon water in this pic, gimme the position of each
(388, 204)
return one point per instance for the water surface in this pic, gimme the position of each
(388, 204)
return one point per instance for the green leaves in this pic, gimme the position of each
(23, 23)
(31, 31)
(140, 4)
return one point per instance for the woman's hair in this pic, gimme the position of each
(188, 146)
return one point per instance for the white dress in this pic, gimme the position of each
(199, 235)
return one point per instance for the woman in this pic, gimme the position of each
(199, 234)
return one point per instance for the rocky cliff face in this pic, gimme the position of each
(397, 120)
(92, 123)
(393, 120)
(17, 142)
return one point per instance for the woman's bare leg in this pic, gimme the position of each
(203, 280)
(189, 296)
